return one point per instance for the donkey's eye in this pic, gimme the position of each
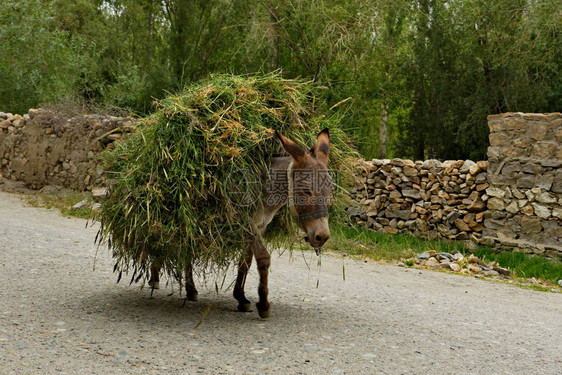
(307, 191)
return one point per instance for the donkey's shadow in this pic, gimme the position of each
(164, 308)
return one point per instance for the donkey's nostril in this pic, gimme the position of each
(319, 238)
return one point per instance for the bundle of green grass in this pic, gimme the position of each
(184, 187)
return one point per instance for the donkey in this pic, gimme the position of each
(300, 180)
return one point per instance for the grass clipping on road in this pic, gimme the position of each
(185, 186)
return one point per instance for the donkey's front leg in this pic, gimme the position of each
(190, 290)
(243, 266)
(263, 260)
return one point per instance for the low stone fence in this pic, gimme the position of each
(42, 148)
(430, 198)
(515, 199)
(525, 176)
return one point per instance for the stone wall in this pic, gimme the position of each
(42, 148)
(525, 176)
(429, 199)
(515, 199)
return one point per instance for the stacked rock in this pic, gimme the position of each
(525, 202)
(425, 198)
(457, 262)
(9, 122)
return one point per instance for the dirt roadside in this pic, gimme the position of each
(59, 316)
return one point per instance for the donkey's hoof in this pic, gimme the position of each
(192, 296)
(263, 311)
(154, 284)
(245, 307)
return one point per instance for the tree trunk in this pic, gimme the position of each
(383, 139)
(273, 43)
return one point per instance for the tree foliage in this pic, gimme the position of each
(422, 75)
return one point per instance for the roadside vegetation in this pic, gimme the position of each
(63, 200)
(360, 242)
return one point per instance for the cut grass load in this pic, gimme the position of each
(184, 188)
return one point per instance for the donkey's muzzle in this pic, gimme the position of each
(316, 240)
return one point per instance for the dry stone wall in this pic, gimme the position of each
(525, 176)
(42, 148)
(425, 198)
(513, 200)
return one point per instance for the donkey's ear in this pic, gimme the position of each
(322, 147)
(291, 147)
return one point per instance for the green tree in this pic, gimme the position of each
(37, 63)
(415, 78)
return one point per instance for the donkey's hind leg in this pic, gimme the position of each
(243, 266)
(190, 290)
(154, 281)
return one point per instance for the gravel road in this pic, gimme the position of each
(60, 316)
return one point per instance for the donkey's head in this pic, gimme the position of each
(310, 187)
